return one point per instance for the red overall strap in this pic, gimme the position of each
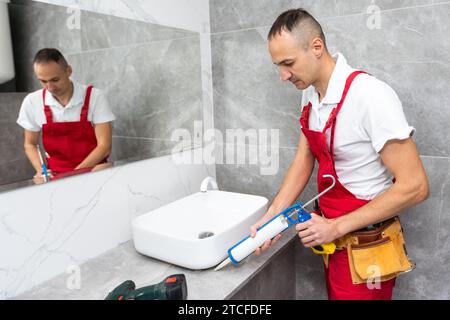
(47, 110)
(85, 109)
(304, 119)
(332, 120)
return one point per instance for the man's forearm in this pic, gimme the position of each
(389, 204)
(32, 154)
(95, 157)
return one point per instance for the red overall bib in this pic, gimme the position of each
(338, 202)
(68, 143)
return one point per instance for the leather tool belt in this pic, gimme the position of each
(378, 253)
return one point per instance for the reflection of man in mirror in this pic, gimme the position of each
(75, 120)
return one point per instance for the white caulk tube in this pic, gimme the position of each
(248, 245)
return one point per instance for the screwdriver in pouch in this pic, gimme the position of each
(278, 224)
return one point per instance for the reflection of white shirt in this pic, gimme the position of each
(371, 116)
(32, 115)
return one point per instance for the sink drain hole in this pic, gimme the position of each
(206, 234)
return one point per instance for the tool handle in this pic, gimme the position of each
(45, 173)
(326, 248)
(44, 168)
(248, 245)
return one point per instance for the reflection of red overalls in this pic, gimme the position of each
(68, 143)
(338, 202)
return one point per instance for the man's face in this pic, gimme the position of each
(54, 78)
(296, 64)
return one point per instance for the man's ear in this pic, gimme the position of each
(69, 71)
(318, 47)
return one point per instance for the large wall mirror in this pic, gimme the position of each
(150, 75)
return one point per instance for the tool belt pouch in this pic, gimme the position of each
(379, 253)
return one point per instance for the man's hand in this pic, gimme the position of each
(253, 230)
(39, 177)
(316, 231)
(102, 166)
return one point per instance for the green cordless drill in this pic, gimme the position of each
(172, 288)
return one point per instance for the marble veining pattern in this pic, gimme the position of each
(82, 217)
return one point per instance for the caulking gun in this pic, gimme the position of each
(278, 224)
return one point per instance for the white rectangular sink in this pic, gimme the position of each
(195, 232)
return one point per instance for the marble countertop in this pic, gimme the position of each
(100, 275)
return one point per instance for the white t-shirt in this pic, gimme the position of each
(32, 115)
(372, 115)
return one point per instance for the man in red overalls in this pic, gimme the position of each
(75, 120)
(354, 126)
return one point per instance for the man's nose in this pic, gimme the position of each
(285, 75)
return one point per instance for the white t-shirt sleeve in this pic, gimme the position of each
(101, 112)
(385, 119)
(27, 118)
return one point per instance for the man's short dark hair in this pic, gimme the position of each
(48, 55)
(298, 22)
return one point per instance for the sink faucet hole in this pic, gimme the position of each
(206, 234)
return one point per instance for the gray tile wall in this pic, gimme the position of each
(275, 282)
(14, 165)
(9, 86)
(410, 52)
(151, 74)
